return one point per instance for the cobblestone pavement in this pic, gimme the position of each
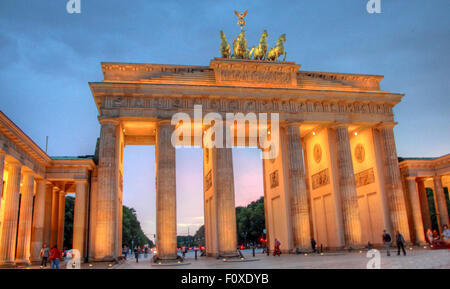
(415, 259)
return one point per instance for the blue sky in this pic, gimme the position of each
(48, 57)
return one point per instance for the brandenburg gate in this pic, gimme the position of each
(336, 176)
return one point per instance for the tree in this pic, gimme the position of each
(68, 221)
(250, 222)
(132, 233)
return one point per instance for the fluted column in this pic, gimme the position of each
(416, 210)
(441, 202)
(10, 215)
(61, 217)
(37, 232)
(426, 218)
(297, 190)
(226, 208)
(394, 191)
(2, 171)
(107, 194)
(79, 219)
(347, 188)
(166, 204)
(54, 220)
(25, 219)
(48, 215)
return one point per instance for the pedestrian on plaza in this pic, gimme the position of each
(387, 240)
(44, 254)
(430, 238)
(55, 255)
(183, 250)
(125, 251)
(313, 245)
(436, 235)
(277, 250)
(137, 251)
(446, 234)
(400, 243)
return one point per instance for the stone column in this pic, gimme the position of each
(224, 197)
(25, 219)
(54, 221)
(79, 218)
(416, 210)
(347, 189)
(2, 171)
(394, 190)
(48, 214)
(226, 208)
(107, 194)
(441, 202)
(166, 205)
(61, 217)
(297, 190)
(426, 218)
(37, 233)
(10, 214)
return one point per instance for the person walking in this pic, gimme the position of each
(277, 250)
(136, 253)
(44, 254)
(125, 251)
(313, 245)
(446, 234)
(55, 255)
(400, 243)
(430, 238)
(387, 240)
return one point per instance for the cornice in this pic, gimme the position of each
(21, 140)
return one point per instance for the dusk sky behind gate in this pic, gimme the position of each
(47, 58)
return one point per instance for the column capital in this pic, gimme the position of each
(411, 178)
(291, 123)
(14, 165)
(386, 125)
(164, 122)
(111, 121)
(340, 125)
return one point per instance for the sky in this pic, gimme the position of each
(48, 57)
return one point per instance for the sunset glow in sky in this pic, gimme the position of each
(48, 57)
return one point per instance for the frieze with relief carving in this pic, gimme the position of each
(246, 105)
(274, 179)
(364, 178)
(320, 179)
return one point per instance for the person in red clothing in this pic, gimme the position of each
(55, 255)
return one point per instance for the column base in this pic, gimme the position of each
(22, 262)
(232, 254)
(105, 259)
(7, 264)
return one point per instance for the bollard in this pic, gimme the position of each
(253, 251)
(195, 254)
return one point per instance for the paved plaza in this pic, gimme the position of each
(415, 259)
